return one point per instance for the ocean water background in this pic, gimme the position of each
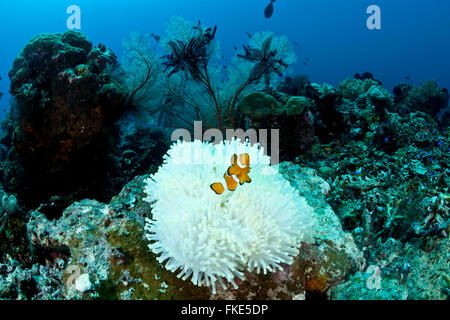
(331, 34)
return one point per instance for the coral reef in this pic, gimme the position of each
(405, 273)
(41, 282)
(65, 107)
(387, 166)
(357, 209)
(428, 97)
(191, 82)
(388, 173)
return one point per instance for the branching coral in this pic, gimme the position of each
(215, 238)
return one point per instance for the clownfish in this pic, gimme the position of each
(236, 174)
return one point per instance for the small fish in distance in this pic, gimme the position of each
(268, 11)
(156, 37)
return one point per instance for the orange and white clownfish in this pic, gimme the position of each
(236, 174)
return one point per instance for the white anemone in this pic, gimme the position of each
(211, 237)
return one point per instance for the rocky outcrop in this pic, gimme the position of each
(66, 105)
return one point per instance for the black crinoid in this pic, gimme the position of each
(265, 61)
(191, 57)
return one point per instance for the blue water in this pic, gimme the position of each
(332, 34)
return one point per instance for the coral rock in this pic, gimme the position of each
(66, 104)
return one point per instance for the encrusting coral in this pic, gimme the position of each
(214, 237)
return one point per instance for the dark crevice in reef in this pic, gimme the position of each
(49, 255)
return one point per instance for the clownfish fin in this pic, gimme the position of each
(244, 160)
(245, 171)
(244, 178)
(217, 187)
(234, 159)
(232, 187)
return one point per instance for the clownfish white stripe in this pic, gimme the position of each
(235, 178)
(240, 165)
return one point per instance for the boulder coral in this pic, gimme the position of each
(352, 88)
(293, 115)
(66, 103)
(259, 105)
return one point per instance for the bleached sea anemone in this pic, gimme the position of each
(211, 237)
